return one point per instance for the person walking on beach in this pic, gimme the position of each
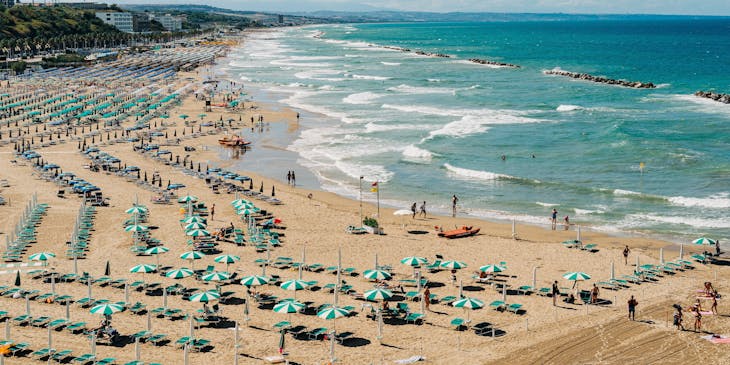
(632, 308)
(717, 247)
(567, 222)
(288, 177)
(413, 210)
(212, 212)
(454, 200)
(293, 179)
(427, 299)
(554, 219)
(626, 255)
(556, 292)
(698, 319)
(423, 209)
(678, 317)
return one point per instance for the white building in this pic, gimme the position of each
(169, 22)
(122, 21)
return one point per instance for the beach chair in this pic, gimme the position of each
(498, 305)
(106, 361)
(18, 347)
(525, 290)
(83, 359)
(198, 344)
(4, 316)
(457, 323)
(44, 352)
(157, 339)
(137, 308)
(76, 326)
(514, 308)
(22, 319)
(141, 335)
(591, 247)
(61, 355)
(414, 318)
(544, 292)
(316, 333)
(700, 258)
(281, 325)
(182, 341)
(57, 323)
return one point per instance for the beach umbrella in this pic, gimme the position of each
(247, 211)
(17, 278)
(41, 256)
(261, 189)
(135, 228)
(453, 265)
(468, 303)
(576, 276)
(288, 306)
(183, 116)
(156, 251)
(195, 225)
(294, 285)
(107, 269)
(413, 261)
(106, 309)
(216, 276)
(377, 294)
(179, 273)
(192, 255)
(254, 280)
(332, 312)
(227, 259)
(195, 219)
(704, 241)
(143, 268)
(187, 199)
(491, 268)
(197, 233)
(205, 296)
(240, 201)
(136, 210)
(376, 275)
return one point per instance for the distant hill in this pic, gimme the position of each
(49, 21)
(201, 15)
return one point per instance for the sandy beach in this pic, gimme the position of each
(316, 223)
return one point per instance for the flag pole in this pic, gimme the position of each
(361, 177)
(377, 192)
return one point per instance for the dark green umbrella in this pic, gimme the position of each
(107, 270)
(17, 278)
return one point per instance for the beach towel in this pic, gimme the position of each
(717, 339)
(707, 313)
(410, 360)
(277, 359)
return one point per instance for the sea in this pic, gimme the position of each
(511, 143)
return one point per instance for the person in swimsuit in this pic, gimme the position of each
(626, 255)
(554, 218)
(698, 319)
(632, 308)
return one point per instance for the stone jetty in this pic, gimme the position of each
(408, 50)
(492, 63)
(601, 79)
(721, 98)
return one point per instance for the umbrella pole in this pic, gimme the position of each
(235, 341)
(149, 321)
(68, 311)
(136, 349)
(7, 331)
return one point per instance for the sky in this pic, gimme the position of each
(687, 7)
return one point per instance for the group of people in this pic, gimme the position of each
(554, 220)
(421, 211)
(708, 292)
(291, 178)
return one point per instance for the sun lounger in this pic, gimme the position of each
(414, 318)
(44, 352)
(83, 359)
(106, 361)
(57, 323)
(514, 307)
(182, 341)
(22, 319)
(544, 292)
(142, 335)
(198, 344)
(76, 326)
(498, 305)
(18, 347)
(591, 247)
(457, 323)
(448, 300)
(525, 290)
(61, 355)
(281, 325)
(157, 339)
(316, 333)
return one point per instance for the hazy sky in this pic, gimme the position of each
(694, 7)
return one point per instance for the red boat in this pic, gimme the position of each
(460, 232)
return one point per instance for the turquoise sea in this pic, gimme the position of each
(428, 127)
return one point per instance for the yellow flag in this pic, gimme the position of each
(374, 190)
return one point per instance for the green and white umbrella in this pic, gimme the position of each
(491, 268)
(704, 241)
(195, 225)
(240, 201)
(192, 255)
(216, 276)
(247, 211)
(156, 250)
(135, 228)
(294, 285)
(453, 265)
(136, 210)
(377, 294)
(254, 280)
(470, 303)
(376, 275)
(106, 309)
(41, 256)
(332, 313)
(187, 199)
(179, 273)
(227, 259)
(576, 276)
(413, 261)
(205, 296)
(288, 306)
(194, 219)
(197, 233)
(143, 268)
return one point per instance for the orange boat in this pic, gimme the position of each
(233, 142)
(464, 231)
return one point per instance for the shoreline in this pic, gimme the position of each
(264, 98)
